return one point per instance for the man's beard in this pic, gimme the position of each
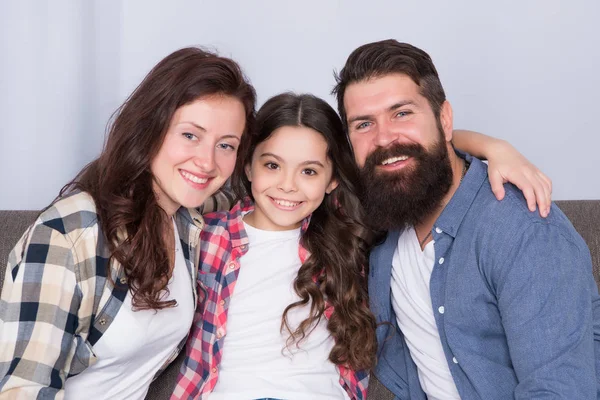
(396, 199)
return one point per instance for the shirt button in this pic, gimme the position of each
(441, 310)
(102, 321)
(123, 281)
(222, 302)
(454, 360)
(219, 335)
(438, 230)
(441, 261)
(214, 370)
(231, 265)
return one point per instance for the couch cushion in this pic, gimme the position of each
(162, 387)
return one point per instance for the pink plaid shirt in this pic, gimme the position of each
(223, 242)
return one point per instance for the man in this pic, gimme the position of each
(475, 298)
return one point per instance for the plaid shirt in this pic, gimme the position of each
(57, 300)
(223, 242)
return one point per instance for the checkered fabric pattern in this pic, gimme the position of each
(223, 242)
(57, 300)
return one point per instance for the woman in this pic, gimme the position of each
(100, 291)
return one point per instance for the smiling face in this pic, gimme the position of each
(391, 110)
(401, 148)
(198, 152)
(290, 174)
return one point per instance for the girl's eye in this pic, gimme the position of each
(271, 165)
(363, 125)
(226, 146)
(309, 172)
(189, 136)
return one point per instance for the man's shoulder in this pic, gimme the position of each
(512, 211)
(508, 222)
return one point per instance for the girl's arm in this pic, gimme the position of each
(506, 164)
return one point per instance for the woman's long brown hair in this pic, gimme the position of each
(120, 180)
(337, 237)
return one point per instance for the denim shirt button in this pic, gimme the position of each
(441, 261)
(454, 360)
(438, 230)
(441, 309)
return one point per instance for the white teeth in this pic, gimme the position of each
(194, 178)
(394, 159)
(285, 203)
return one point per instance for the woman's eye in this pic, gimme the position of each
(226, 146)
(309, 172)
(188, 135)
(271, 165)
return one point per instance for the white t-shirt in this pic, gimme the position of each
(255, 361)
(137, 343)
(411, 300)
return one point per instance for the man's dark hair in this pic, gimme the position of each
(386, 57)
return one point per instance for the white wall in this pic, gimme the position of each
(525, 71)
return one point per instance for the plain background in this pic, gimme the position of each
(524, 71)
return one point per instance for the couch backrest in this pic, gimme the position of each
(13, 224)
(585, 217)
(584, 214)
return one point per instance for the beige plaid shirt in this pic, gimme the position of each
(56, 300)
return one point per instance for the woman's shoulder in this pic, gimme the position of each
(65, 235)
(72, 216)
(71, 212)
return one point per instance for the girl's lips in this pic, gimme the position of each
(285, 205)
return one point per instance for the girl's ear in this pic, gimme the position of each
(248, 171)
(332, 185)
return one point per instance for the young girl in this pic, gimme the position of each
(285, 308)
(100, 293)
(284, 311)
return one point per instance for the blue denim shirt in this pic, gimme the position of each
(514, 298)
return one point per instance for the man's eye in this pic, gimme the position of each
(403, 113)
(363, 125)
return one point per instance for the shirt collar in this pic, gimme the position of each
(191, 216)
(456, 209)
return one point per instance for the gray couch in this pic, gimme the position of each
(585, 215)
